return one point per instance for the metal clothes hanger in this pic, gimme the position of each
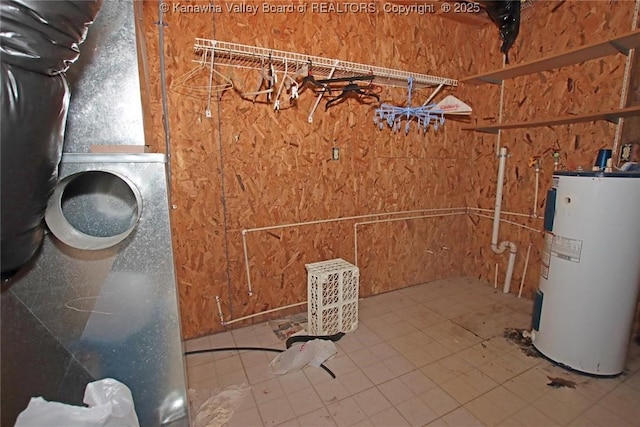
(272, 79)
(267, 76)
(192, 83)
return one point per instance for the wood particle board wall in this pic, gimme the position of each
(596, 85)
(248, 166)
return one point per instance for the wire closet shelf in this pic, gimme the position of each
(210, 52)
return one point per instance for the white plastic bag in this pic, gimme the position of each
(296, 357)
(110, 404)
(214, 408)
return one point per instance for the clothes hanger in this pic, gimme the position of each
(276, 104)
(292, 86)
(424, 115)
(267, 76)
(192, 82)
(301, 71)
(291, 82)
(363, 78)
(353, 88)
(308, 78)
(326, 83)
(272, 78)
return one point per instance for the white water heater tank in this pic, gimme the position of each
(586, 300)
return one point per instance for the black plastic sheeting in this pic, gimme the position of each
(38, 42)
(506, 15)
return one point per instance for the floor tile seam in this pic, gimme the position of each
(310, 411)
(598, 402)
(460, 405)
(326, 406)
(580, 412)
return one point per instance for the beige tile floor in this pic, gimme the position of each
(413, 361)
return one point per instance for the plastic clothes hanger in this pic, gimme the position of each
(291, 82)
(353, 88)
(424, 115)
(294, 89)
(309, 79)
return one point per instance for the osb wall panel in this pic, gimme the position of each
(410, 252)
(550, 27)
(248, 166)
(195, 183)
(277, 259)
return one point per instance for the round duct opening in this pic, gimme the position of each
(93, 210)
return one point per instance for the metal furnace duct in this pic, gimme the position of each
(100, 298)
(115, 309)
(106, 103)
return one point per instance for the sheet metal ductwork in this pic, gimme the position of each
(38, 42)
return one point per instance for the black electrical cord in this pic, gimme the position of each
(303, 338)
(275, 350)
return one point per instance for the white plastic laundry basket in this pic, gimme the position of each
(332, 297)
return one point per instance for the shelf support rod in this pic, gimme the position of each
(624, 93)
(207, 112)
(501, 110)
(433, 94)
(319, 98)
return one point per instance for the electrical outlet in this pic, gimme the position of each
(207, 113)
(335, 153)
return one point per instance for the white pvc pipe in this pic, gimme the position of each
(239, 319)
(501, 212)
(498, 203)
(498, 249)
(246, 261)
(355, 244)
(355, 226)
(509, 222)
(534, 212)
(220, 315)
(346, 218)
(513, 250)
(524, 271)
(457, 211)
(323, 221)
(320, 221)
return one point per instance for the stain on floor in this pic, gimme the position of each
(519, 337)
(558, 382)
